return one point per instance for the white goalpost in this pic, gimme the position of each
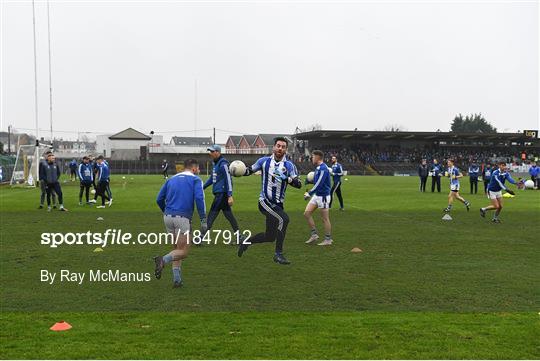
(25, 171)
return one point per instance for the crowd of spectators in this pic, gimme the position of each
(371, 155)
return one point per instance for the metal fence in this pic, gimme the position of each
(8, 164)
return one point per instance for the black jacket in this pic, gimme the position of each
(423, 170)
(49, 172)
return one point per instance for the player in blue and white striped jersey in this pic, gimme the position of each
(320, 198)
(454, 174)
(495, 188)
(276, 173)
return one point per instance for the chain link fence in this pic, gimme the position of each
(7, 164)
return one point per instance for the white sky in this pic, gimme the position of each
(269, 67)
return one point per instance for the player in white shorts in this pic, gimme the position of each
(320, 201)
(494, 191)
(320, 198)
(454, 174)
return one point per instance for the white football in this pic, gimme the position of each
(310, 177)
(237, 168)
(93, 191)
(529, 184)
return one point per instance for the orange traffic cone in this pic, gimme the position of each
(60, 326)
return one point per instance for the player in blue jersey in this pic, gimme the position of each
(108, 188)
(276, 173)
(534, 172)
(320, 198)
(474, 172)
(337, 173)
(222, 188)
(436, 172)
(177, 200)
(495, 188)
(73, 170)
(86, 178)
(486, 176)
(454, 174)
(102, 181)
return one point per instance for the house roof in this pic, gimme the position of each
(268, 139)
(235, 139)
(192, 140)
(250, 138)
(130, 134)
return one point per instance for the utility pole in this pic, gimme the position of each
(9, 139)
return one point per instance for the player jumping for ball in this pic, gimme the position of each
(276, 173)
(454, 174)
(495, 187)
(320, 198)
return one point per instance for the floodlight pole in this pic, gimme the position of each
(9, 139)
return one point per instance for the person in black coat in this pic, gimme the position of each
(423, 171)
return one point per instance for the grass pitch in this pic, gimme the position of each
(421, 288)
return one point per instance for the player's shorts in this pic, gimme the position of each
(176, 224)
(494, 195)
(320, 201)
(454, 187)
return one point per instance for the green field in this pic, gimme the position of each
(421, 288)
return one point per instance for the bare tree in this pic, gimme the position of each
(311, 128)
(394, 128)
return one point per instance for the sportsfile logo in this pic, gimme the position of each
(118, 237)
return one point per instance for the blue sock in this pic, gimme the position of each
(176, 274)
(167, 258)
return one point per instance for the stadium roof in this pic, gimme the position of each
(192, 140)
(422, 136)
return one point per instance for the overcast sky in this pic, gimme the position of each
(269, 67)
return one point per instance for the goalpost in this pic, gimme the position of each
(25, 171)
